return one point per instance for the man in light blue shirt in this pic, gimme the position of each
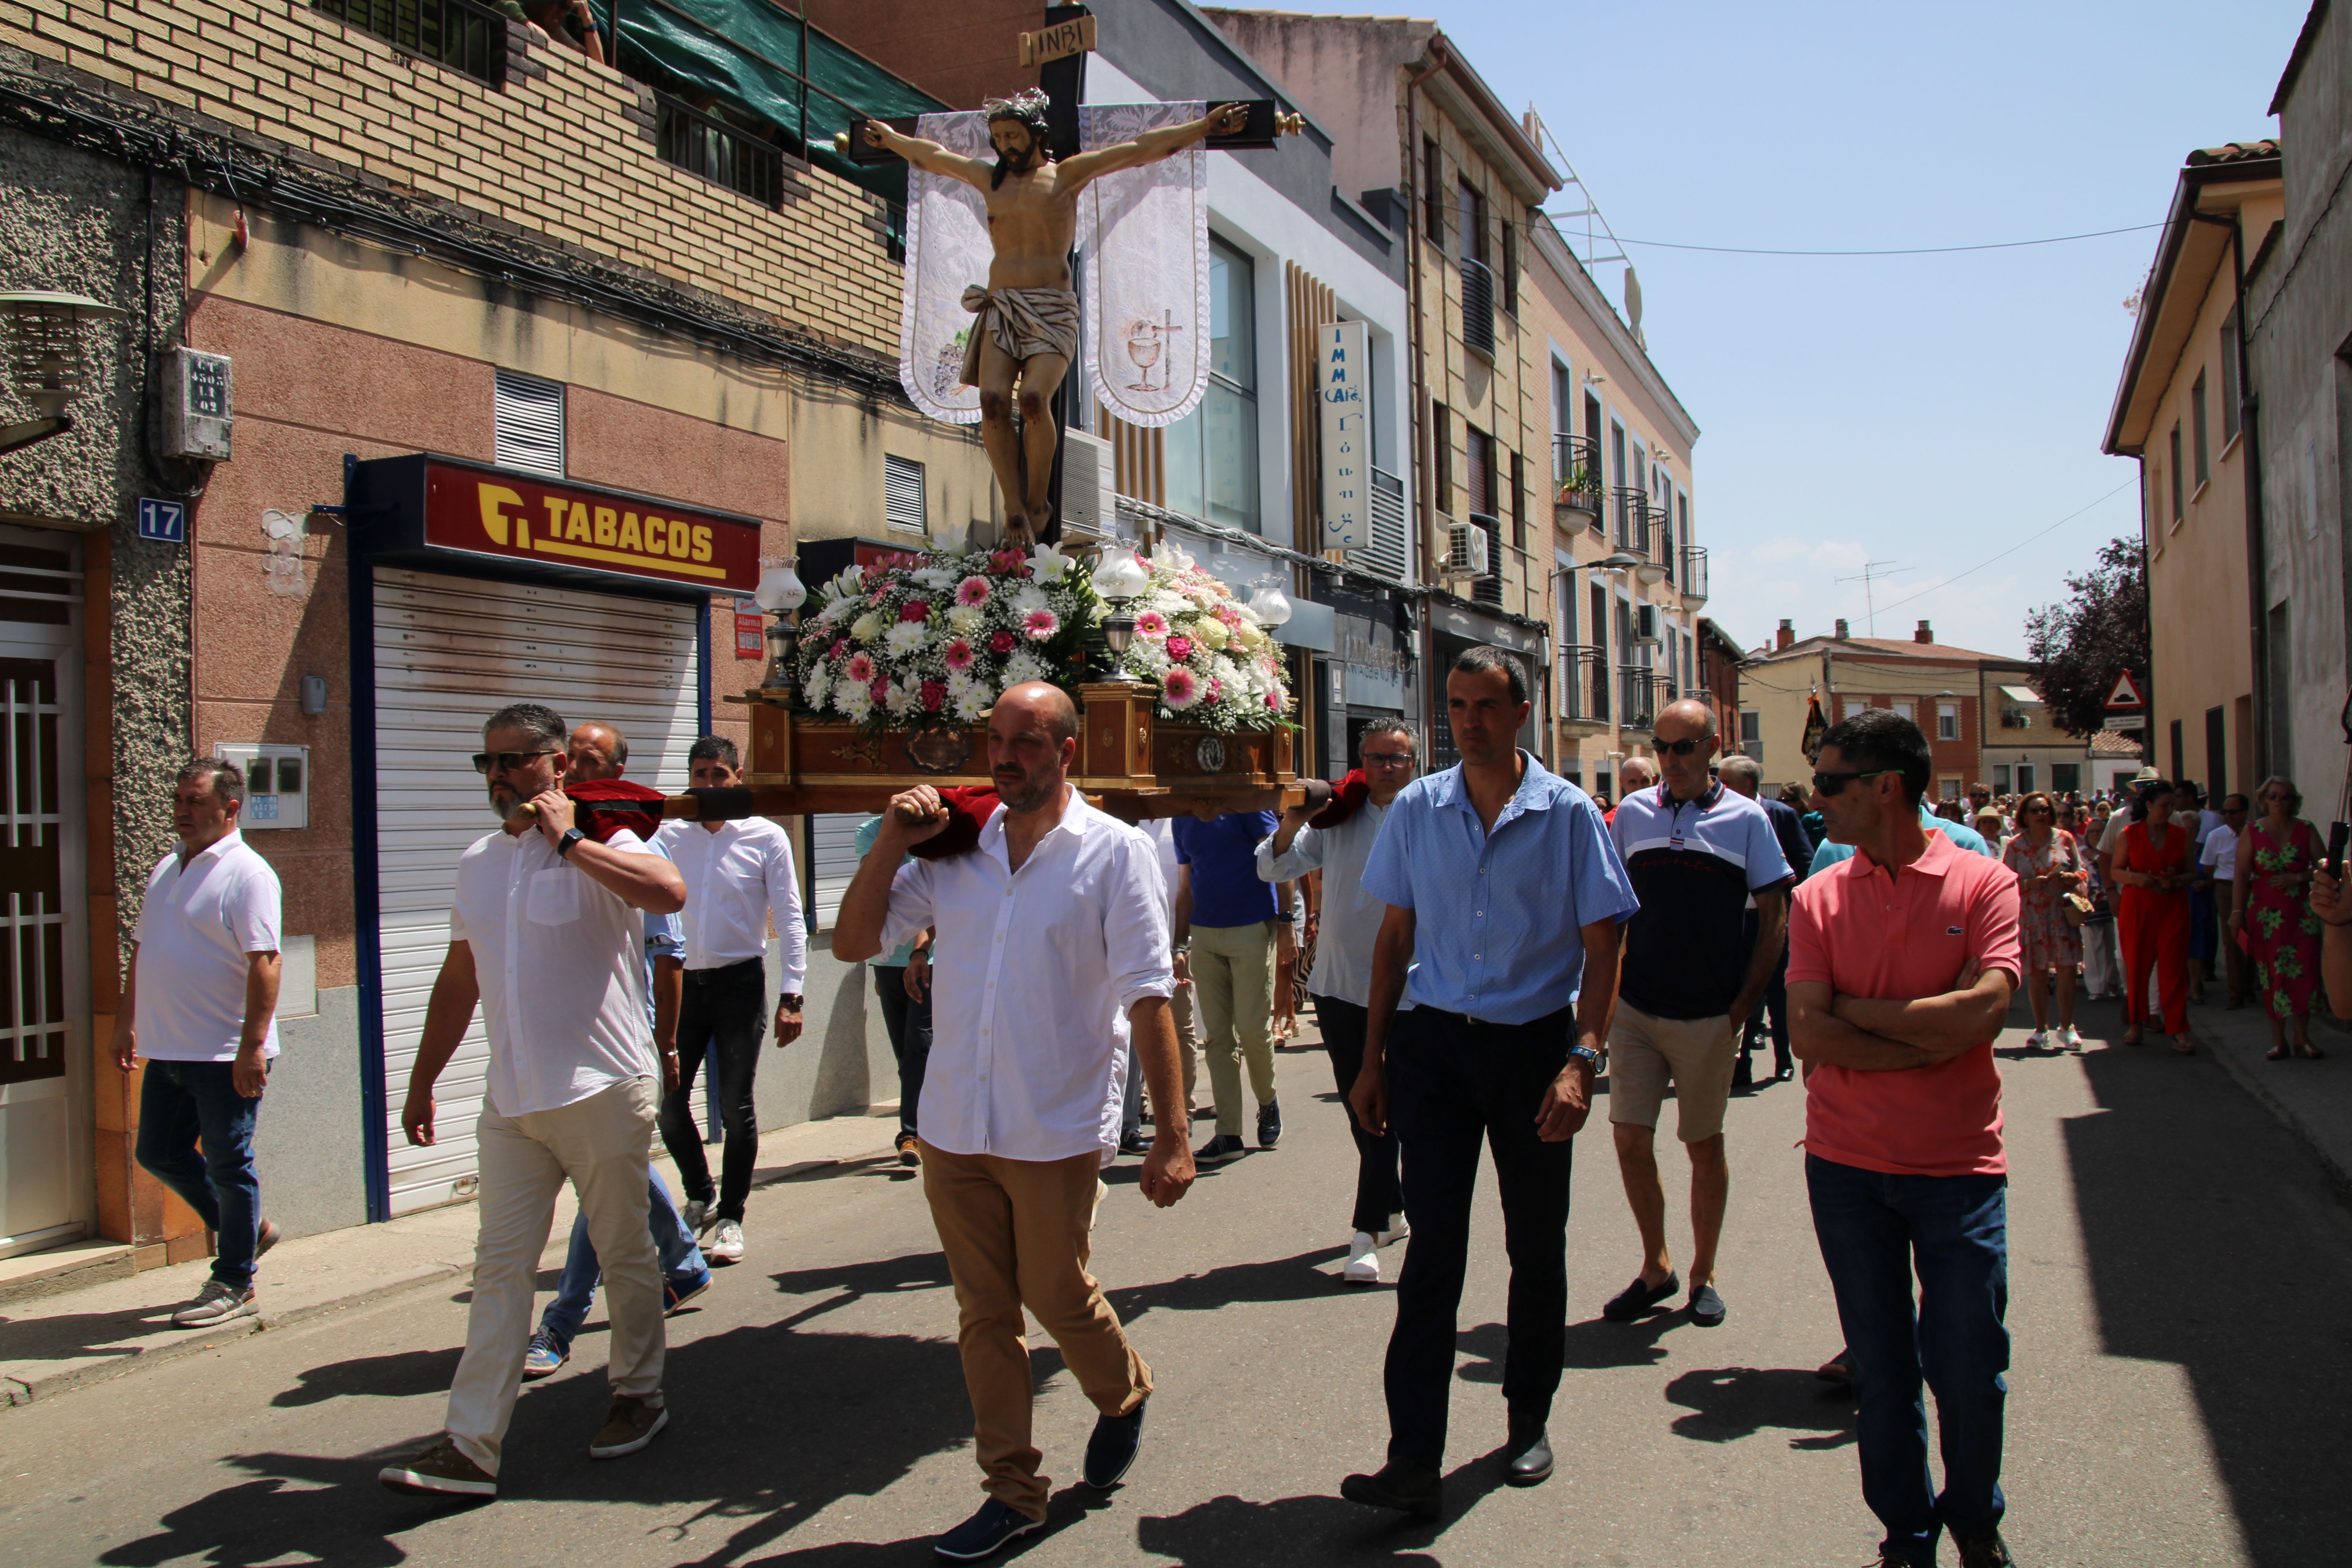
(1967, 837)
(1507, 900)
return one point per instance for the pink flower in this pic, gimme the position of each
(1179, 688)
(1040, 625)
(1216, 688)
(935, 695)
(840, 646)
(972, 591)
(914, 610)
(1151, 623)
(861, 668)
(1002, 642)
(1273, 700)
(880, 689)
(1180, 648)
(1227, 614)
(878, 594)
(959, 655)
(1009, 564)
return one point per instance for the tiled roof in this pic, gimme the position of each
(1922, 649)
(2234, 152)
(2113, 743)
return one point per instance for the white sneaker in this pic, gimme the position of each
(695, 1215)
(1363, 1260)
(725, 1243)
(216, 1303)
(2069, 1040)
(2033, 1042)
(1396, 1232)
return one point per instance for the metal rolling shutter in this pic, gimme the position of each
(832, 861)
(448, 650)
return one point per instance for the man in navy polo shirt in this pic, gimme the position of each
(1697, 852)
(1226, 925)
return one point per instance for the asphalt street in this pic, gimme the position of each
(2182, 1379)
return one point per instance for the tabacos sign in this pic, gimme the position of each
(497, 511)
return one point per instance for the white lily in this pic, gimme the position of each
(933, 578)
(1048, 563)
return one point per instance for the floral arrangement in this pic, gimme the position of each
(935, 644)
(1213, 663)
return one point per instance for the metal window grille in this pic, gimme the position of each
(902, 494)
(459, 33)
(32, 1037)
(722, 153)
(529, 424)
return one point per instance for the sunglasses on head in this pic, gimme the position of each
(1680, 748)
(486, 762)
(1832, 783)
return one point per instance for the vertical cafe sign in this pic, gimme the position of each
(1343, 379)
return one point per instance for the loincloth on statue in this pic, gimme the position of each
(1023, 321)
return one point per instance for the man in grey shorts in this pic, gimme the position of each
(1697, 852)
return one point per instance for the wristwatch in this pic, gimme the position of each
(563, 846)
(1592, 1058)
(788, 1000)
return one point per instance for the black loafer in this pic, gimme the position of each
(1527, 1458)
(1408, 1489)
(1986, 1550)
(1637, 1298)
(1112, 1447)
(985, 1533)
(1707, 1308)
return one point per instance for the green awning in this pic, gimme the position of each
(748, 54)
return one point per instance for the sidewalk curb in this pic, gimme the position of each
(2259, 1086)
(17, 1388)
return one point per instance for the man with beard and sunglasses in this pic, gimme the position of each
(1027, 325)
(1053, 948)
(545, 936)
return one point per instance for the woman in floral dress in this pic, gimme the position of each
(2276, 856)
(2049, 865)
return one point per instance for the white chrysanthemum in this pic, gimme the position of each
(900, 699)
(972, 706)
(1028, 598)
(905, 638)
(933, 578)
(852, 701)
(1024, 665)
(814, 690)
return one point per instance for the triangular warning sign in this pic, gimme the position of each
(2126, 692)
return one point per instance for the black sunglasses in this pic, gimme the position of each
(1680, 748)
(486, 762)
(1833, 783)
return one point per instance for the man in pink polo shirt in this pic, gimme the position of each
(1901, 962)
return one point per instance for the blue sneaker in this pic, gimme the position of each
(985, 1533)
(677, 1293)
(545, 1357)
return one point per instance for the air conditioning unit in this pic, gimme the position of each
(1089, 489)
(1466, 550)
(1646, 625)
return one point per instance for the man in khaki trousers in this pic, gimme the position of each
(1052, 951)
(1229, 923)
(546, 937)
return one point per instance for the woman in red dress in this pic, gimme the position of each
(2155, 862)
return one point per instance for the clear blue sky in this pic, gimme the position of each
(1930, 411)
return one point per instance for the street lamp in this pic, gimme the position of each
(45, 363)
(1270, 604)
(781, 593)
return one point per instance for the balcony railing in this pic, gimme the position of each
(1391, 527)
(1477, 307)
(722, 153)
(1636, 708)
(1632, 509)
(1583, 684)
(1694, 576)
(459, 33)
(1570, 454)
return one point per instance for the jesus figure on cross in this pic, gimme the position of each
(1027, 329)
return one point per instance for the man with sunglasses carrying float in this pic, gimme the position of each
(1697, 852)
(545, 936)
(1902, 961)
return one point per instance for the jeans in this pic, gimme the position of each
(1874, 1230)
(681, 1264)
(1377, 1201)
(1454, 1082)
(179, 1103)
(910, 1024)
(727, 1006)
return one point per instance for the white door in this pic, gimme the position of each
(46, 1191)
(449, 651)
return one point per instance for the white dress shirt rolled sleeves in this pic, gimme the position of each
(1350, 918)
(1035, 974)
(196, 931)
(739, 880)
(560, 961)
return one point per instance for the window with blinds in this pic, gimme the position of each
(529, 424)
(902, 494)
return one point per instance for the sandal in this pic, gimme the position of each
(2276, 1053)
(2182, 1045)
(2309, 1052)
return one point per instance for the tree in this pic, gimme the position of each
(2079, 648)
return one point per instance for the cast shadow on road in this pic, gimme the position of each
(2215, 1244)
(1727, 1403)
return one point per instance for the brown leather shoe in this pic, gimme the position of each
(440, 1470)
(629, 1426)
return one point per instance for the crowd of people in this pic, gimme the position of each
(1480, 945)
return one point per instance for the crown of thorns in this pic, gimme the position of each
(1027, 106)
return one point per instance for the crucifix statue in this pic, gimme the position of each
(1028, 326)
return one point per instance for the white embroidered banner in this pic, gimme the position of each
(947, 249)
(1144, 236)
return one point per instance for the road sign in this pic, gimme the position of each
(164, 522)
(2126, 692)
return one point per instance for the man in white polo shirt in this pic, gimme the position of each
(545, 935)
(199, 1004)
(738, 878)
